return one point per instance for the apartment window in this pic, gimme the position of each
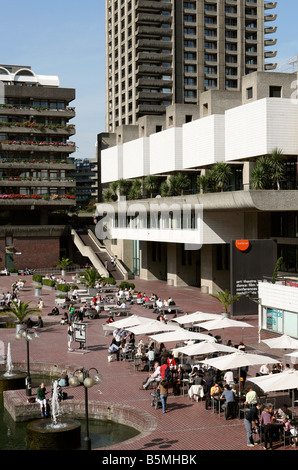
(275, 91)
(249, 93)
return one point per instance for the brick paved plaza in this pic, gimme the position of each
(187, 425)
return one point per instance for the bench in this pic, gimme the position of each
(118, 312)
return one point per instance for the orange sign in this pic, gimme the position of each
(242, 245)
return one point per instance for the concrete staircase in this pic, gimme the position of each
(90, 247)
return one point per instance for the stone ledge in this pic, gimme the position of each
(16, 404)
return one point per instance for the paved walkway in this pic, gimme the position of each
(187, 425)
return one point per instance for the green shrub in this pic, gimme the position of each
(108, 280)
(37, 278)
(63, 287)
(126, 285)
(48, 282)
(13, 270)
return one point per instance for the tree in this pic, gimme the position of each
(276, 269)
(124, 186)
(178, 183)
(107, 195)
(114, 187)
(277, 167)
(222, 174)
(20, 310)
(90, 277)
(226, 299)
(135, 191)
(164, 189)
(151, 184)
(260, 174)
(202, 183)
(182, 182)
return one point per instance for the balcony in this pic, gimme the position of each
(34, 128)
(17, 110)
(38, 164)
(16, 145)
(15, 201)
(36, 182)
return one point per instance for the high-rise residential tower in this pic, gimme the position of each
(163, 52)
(35, 162)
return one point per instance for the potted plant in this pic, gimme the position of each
(91, 276)
(63, 264)
(19, 311)
(37, 291)
(226, 299)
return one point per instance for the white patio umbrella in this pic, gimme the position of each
(179, 334)
(282, 342)
(196, 317)
(287, 380)
(224, 322)
(238, 359)
(132, 320)
(205, 347)
(154, 326)
(293, 356)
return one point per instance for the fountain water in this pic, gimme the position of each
(9, 364)
(54, 433)
(10, 380)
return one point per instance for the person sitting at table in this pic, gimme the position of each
(154, 377)
(251, 397)
(159, 304)
(275, 369)
(264, 370)
(215, 393)
(228, 396)
(290, 430)
(283, 412)
(178, 381)
(114, 348)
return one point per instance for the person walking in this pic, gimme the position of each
(163, 389)
(69, 335)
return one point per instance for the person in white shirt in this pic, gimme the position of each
(229, 377)
(153, 377)
(264, 370)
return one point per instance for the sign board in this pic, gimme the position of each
(251, 260)
(80, 330)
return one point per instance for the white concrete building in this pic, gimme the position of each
(190, 140)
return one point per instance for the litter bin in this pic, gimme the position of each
(205, 290)
(170, 282)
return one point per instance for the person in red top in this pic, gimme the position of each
(172, 363)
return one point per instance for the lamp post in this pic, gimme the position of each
(25, 333)
(84, 377)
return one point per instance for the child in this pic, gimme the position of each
(163, 388)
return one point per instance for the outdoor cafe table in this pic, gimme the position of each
(169, 309)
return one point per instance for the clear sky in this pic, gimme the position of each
(67, 38)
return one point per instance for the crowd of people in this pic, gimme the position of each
(218, 389)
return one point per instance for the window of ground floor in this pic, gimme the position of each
(280, 321)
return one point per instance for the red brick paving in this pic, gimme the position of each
(187, 425)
